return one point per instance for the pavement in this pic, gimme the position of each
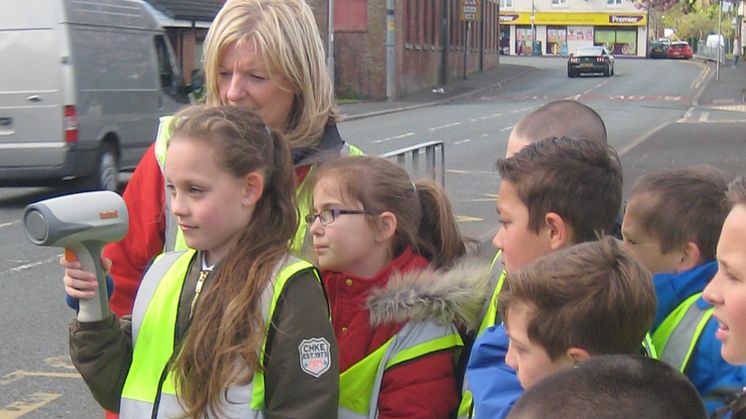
(454, 90)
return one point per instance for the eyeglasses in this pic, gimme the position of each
(327, 216)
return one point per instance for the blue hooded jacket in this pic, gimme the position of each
(706, 370)
(494, 384)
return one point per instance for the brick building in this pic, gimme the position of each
(419, 58)
(429, 41)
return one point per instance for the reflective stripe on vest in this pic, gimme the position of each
(153, 325)
(360, 384)
(679, 332)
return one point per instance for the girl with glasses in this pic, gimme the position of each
(383, 245)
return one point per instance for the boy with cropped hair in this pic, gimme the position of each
(589, 299)
(672, 224)
(612, 387)
(554, 193)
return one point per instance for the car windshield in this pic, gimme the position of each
(589, 51)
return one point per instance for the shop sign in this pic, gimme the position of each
(576, 19)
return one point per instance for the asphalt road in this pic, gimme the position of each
(653, 115)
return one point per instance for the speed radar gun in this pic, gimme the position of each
(81, 223)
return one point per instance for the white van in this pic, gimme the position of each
(82, 85)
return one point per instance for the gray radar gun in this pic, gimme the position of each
(82, 223)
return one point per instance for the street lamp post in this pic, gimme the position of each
(533, 26)
(720, 39)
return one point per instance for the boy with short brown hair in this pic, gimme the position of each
(554, 193)
(589, 299)
(672, 224)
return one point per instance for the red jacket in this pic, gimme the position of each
(423, 388)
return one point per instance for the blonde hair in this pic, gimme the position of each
(285, 32)
(228, 324)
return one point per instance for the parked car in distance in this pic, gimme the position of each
(590, 60)
(658, 50)
(680, 49)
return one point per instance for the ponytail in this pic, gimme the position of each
(438, 234)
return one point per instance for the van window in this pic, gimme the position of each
(169, 73)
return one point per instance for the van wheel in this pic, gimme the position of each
(106, 175)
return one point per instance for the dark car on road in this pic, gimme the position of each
(680, 49)
(658, 50)
(590, 60)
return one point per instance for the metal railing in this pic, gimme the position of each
(411, 158)
(711, 52)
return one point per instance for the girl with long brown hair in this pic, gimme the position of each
(233, 327)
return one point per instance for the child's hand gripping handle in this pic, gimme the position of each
(81, 223)
(89, 256)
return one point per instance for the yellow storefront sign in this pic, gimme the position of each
(579, 19)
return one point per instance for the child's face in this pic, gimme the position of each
(644, 246)
(727, 290)
(520, 246)
(530, 360)
(350, 243)
(208, 203)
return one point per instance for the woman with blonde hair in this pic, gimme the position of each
(267, 56)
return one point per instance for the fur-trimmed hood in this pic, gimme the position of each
(455, 296)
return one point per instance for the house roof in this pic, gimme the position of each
(204, 10)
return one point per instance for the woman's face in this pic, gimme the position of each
(244, 80)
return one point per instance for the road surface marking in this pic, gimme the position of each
(470, 172)
(704, 116)
(6, 225)
(687, 114)
(452, 124)
(31, 265)
(20, 374)
(508, 128)
(467, 219)
(395, 137)
(464, 141)
(27, 405)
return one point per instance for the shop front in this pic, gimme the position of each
(560, 34)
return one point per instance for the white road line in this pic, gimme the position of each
(30, 265)
(452, 124)
(506, 128)
(6, 225)
(522, 110)
(704, 116)
(716, 121)
(687, 114)
(27, 405)
(464, 141)
(395, 137)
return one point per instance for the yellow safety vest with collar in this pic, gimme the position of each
(149, 389)
(360, 384)
(489, 319)
(678, 334)
(174, 239)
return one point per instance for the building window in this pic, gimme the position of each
(559, 2)
(614, 2)
(506, 4)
